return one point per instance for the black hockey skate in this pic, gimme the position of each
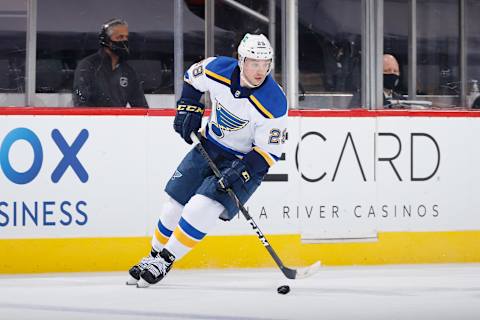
(139, 267)
(156, 270)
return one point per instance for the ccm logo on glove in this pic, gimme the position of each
(189, 108)
(188, 118)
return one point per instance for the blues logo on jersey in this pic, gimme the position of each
(224, 120)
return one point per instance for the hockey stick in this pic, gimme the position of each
(289, 273)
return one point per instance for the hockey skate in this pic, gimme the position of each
(156, 270)
(139, 267)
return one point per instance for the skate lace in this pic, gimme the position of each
(158, 267)
(145, 262)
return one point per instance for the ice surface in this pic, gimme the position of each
(381, 292)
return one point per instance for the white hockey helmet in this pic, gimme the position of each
(255, 46)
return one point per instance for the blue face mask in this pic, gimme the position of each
(390, 81)
(120, 48)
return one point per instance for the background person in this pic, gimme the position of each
(391, 80)
(104, 79)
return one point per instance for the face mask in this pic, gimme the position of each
(390, 81)
(120, 48)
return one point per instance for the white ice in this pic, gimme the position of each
(382, 292)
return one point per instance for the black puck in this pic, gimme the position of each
(283, 289)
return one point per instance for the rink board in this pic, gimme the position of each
(81, 190)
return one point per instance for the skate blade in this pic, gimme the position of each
(143, 284)
(131, 282)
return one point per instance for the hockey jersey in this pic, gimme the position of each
(242, 119)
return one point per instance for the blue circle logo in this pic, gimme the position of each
(12, 137)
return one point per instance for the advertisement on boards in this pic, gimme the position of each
(339, 178)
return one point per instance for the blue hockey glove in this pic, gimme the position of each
(235, 176)
(188, 118)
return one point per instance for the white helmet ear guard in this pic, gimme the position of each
(254, 46)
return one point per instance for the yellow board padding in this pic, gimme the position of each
(116, 254)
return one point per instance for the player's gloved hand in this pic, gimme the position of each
(234, 176)
(188, 118)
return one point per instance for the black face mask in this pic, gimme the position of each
(120, 48)
(390, 81)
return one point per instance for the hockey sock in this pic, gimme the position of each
(199, 216)
(167, 222)
(153, 252)
(161, 236)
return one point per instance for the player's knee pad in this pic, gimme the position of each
(202, 211)
(171, 212)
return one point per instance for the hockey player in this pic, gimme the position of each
(244, 136)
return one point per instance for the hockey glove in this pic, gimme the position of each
(188, 118)
(235, 176)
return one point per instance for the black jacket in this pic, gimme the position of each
(387, 103)
(97, 85)
(476, 103)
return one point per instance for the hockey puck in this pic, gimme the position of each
(283, 289)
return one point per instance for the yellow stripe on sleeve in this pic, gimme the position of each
(261, 107)
(217, 76)
(268, 158)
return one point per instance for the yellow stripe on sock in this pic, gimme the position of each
(160, 237)
(183, 238)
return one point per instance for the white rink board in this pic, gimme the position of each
(129, 159)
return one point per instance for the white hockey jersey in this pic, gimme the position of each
(242, 119)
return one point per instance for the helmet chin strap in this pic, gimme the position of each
(248, 83)
(244, 79)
